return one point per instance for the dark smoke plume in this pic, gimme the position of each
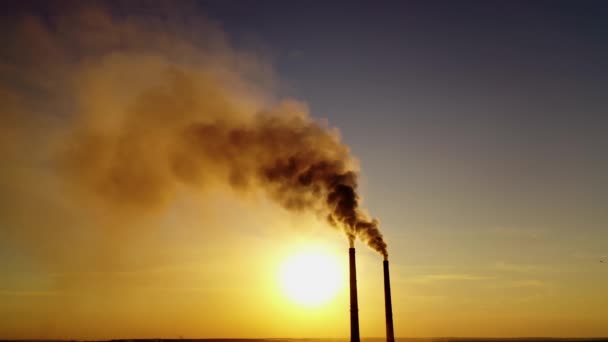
(142, 107)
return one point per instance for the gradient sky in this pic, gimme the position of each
(481, 131)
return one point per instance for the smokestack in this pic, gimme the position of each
(354, 306)
(390, 335)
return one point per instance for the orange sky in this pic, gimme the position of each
(177, 280)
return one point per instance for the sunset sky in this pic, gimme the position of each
(479, 129)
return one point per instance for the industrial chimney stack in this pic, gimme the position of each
(354, 306)
(390, 334)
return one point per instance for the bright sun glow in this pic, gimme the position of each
(311, 277)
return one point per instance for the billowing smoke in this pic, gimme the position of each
(137, 108)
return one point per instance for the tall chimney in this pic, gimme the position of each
(354, 306)
(390, 335)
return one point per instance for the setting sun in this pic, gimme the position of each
(311, 277)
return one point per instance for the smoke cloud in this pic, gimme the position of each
(125, 111)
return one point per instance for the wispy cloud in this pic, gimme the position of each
(527, 283)
(18, 293)
(431, 278)
(519, 232)
(426, 298)
(521, 268)
(580, 255)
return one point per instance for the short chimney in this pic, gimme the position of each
(390, 334)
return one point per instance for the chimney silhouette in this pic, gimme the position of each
(390, 334)
(354, 306)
